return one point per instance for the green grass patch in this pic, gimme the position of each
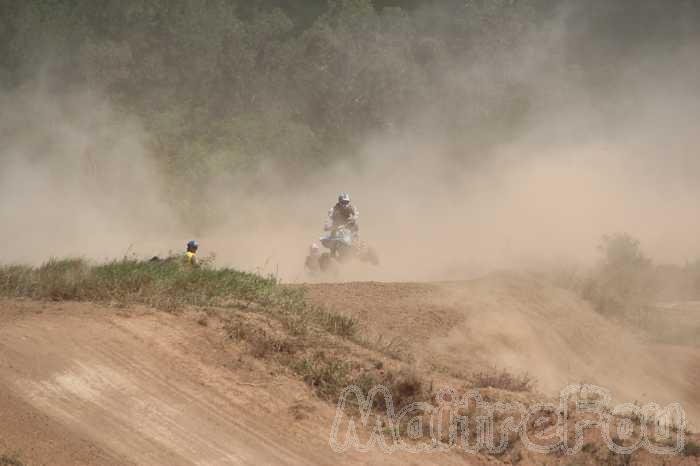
(160, 283)
(169, 285)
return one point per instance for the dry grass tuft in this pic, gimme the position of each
(502, 380)
(10, 460)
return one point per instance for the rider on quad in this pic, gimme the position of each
(343, 214)
(342, 241)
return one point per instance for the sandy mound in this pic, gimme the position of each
(521, 324)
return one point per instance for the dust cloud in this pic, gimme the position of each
(75, 181)
(77, 178)
(529, 327)
(542, 198)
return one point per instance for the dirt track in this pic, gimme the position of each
(84, 384)
(137, 388)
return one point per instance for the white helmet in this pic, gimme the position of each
(344, 198)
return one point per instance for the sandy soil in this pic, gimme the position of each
(135, 387)
(521, 324)
(84, 384)
(93, 385)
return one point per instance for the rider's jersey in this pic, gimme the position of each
(190, 258)
(340, 214)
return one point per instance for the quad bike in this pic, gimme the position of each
(343, 245)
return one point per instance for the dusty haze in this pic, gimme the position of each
(560, 152)
(77, 178)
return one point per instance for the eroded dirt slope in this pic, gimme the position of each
(139, 387)
(84, 384)
(521, 324)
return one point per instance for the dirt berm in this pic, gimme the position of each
(515, 322)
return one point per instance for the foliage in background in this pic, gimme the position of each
(624, 280)
(627, 286)
(225, 86)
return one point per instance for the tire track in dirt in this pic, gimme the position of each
(150, 388)
(104, 383)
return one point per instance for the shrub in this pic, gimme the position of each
(405, 386)
(624, 280)
(261, 343)
(326, 375)
(621, 251)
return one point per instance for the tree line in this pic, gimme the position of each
(304, 82)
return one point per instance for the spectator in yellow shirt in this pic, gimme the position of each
(191, 254)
